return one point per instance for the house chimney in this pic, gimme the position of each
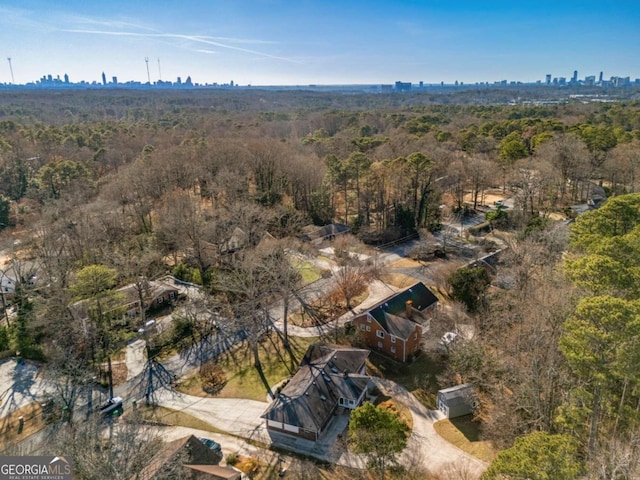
(408, 309)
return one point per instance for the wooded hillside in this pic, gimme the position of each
(141, 184)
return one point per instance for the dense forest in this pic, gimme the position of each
(101, 189)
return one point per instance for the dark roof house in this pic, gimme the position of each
(393, 326)
(316, 234)
(415, 299)
(328, 377)
(127, 301)
(174, 456)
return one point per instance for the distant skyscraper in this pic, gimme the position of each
(574, 79)
(403, 86)
(104, 79)
(66, 78)
(548, 78)
(114, 80)
(600, 79)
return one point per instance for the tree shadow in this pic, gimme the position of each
(265, 382)
(468, 427)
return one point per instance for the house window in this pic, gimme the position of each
(363, 327)
(379, 333)
(393, 349)
(393, 339)
(368, 328)
(379, 344)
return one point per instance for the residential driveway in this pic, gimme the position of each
(235, 416)
(241, 418)
(425, 446)
(19, 385)
(378, 291)
(135, 358)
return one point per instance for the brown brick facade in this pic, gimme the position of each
(378, 339)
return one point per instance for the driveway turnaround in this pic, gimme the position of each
(425, 446)
(241, 418)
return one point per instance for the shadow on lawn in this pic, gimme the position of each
(468, 427)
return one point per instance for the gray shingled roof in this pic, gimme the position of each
(398, 326)
(313, 392)
(459, 394)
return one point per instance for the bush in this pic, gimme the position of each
(4, 339)
(213, 377)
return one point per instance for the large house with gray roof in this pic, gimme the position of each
(330, 377)
(393, 327)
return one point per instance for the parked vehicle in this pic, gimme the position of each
(212, 445)
(113, 408)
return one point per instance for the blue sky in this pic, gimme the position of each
(282, 42)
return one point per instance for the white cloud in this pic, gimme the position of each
(198, 39)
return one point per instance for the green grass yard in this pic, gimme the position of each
(243, 379)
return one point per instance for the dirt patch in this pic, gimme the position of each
(489, 198)
(404, 263)
(10, 430)
(399, 280)
(119, 371)
(167, 416)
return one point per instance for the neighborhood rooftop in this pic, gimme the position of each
(398, 326)
(326, 374)
(419, 295)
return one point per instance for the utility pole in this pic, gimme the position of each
(146, 59)
(11, 69)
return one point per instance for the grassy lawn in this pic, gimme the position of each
(10, 432)
(326, 259)
(168, 416)
(399, 280)
(463, 432)
(243, 380)
(310, 273)
(419, 377)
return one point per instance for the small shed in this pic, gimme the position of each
(457, 401)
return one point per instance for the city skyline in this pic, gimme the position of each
(272, 42)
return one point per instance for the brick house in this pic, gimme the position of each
(393, 326)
